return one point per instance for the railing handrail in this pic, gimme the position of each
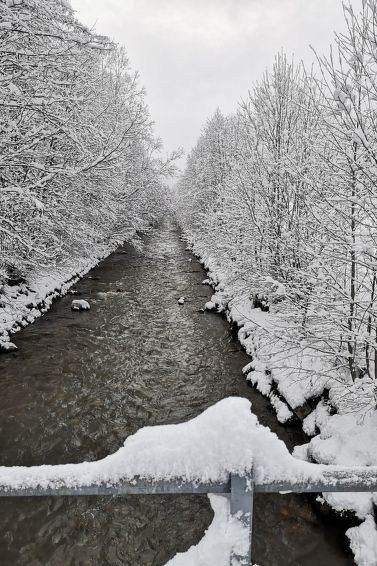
(332, 478)
(137, 486)
(240, 489)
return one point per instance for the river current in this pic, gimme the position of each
(80, 383)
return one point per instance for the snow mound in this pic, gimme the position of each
(363, 541)
(224, 535)
(226, 438)
(8, 347)
(80, 305)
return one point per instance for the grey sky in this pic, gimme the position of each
(195, 55)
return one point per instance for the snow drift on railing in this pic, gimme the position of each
(226, 438)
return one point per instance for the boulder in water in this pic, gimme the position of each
(80, 305)
(73, 292)
(6, 347)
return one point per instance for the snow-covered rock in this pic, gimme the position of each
(23, 303)
(80, 305)
(73, 292)
(7, 347)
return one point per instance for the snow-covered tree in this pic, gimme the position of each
(78, 157)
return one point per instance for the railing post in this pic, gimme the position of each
(241, 506)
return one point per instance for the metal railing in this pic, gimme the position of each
(240, 489)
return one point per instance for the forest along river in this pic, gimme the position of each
(82, 382)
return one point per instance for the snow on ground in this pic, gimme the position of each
(297, 371)
(348, 439)
(224, 535)
(291, 373)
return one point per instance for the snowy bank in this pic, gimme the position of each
(21, 305)
(303, 383)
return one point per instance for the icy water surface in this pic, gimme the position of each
(82, 382)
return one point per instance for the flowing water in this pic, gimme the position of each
(82, 382)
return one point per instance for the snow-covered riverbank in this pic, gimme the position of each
(22, 304)
(302, 383)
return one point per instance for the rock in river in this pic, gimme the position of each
(80, 305)
(7, 347)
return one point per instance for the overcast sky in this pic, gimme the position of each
(197, 55)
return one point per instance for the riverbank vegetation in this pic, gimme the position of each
(80, 167)
(279, 201)
(79, 163)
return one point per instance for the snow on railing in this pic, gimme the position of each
(223, 451)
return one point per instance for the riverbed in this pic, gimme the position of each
(80, 383)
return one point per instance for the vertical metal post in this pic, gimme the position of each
(241, 506)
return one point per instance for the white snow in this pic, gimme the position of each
(363, 541)
(345, 439)
(283, 413)
(9, 347)
(224, 535)
(23, 304)
(226, 438)
(300, 373)
(80, 305)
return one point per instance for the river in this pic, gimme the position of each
(80, 383)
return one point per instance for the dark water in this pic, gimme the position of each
(82, 382)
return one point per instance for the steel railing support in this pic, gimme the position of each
(241, 507)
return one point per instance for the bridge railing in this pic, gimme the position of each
(239, 488)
